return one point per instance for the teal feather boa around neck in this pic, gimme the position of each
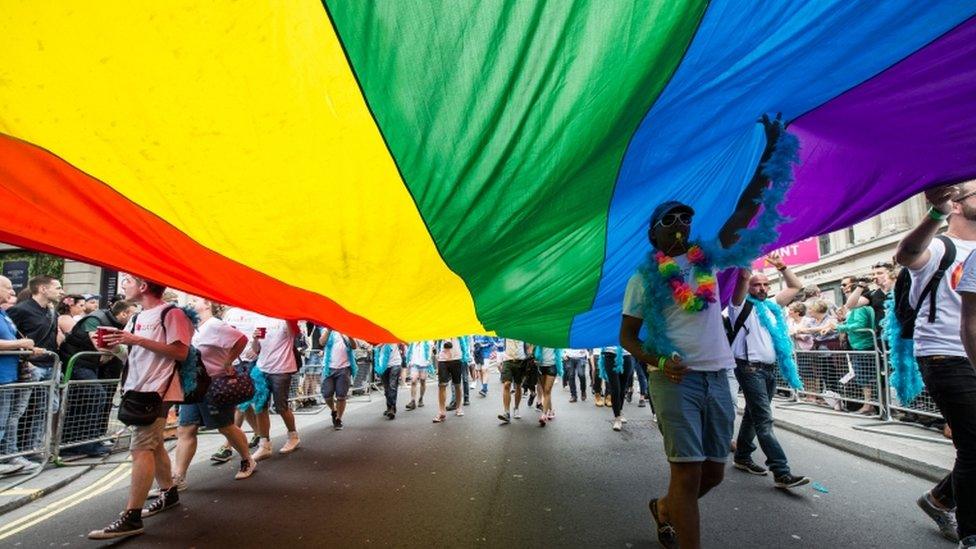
(657, 295)
(381, 358)
(618, 363)
(780, 334)
(906, 379)
(327, 359)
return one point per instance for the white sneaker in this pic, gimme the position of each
(459, 413)
(25, 464)
(264, 452)
(517, 415)
(291, 445)
(179, 482)
(9, 468)
(247, 469)
(623, 419)
(617, 424)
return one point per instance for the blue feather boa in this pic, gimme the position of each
(618, 363)
(782, 343)
(327, 359)
(657, 295)
(262, 393)
(906, 379)
(381, 359)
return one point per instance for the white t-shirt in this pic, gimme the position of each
(752, 336)
(395, 358)
(215, 339)
(277, 354)
(576, 353)
(417, 356)
(942, 336)
(699, 337)
(340, 351)
(243, 321)
(514, 349)
(548, 357)
(149, 371)
(452, 353)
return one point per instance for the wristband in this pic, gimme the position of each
(937, 215)
(660, 363)
(782, 269)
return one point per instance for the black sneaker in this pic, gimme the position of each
(222, 455)
(467, 402)
(452, 406)
(505, 418)
(630, 396)
(335, 419)
(255, 439)
(128, 524)
(667, 536)
(531, 399)
(751, 467)
(411, 405)
(538, 406)
(791, 481)
(169, 499)
(572, 399)
(337, 424)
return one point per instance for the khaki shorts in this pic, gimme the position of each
(147, 437)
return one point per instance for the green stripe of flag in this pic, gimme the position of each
(509, 121)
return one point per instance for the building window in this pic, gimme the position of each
(824, 240)
(850, 235)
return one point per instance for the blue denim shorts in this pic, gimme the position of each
(336, 384)
(203, 413)
(695, 416)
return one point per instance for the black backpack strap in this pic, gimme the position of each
(740, 320)
(929, 291)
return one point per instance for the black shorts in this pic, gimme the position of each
(531, 375)
(547, 371)
(449, 371)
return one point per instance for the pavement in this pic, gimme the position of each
(471, 482)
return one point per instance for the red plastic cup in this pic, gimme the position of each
(100, 334)
(260, 333)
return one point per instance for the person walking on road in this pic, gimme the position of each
(339, 367)
(449, 366)
(155, 343)
(419, 357)
(939, 349)
(760, 341)
(513, 375)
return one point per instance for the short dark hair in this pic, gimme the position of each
(120, 306)
(883, 265)
(155, 288)
(34, 284)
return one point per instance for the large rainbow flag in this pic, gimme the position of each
(407, 169)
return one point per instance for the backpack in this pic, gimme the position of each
(905, 312)
(192, 373)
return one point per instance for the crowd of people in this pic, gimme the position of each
(684, 357)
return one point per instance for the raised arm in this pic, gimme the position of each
(741, 287)
(913, 249)
(793, 282)
(748, 203)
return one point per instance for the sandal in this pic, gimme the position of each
(439, 418)
(666, 534)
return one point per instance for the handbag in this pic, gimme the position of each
(230, 390)
(140, 408)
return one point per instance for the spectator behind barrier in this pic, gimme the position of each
(82, 339)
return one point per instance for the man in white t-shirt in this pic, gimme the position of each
(575, 365)
(756, 367)
(273, 342)
(939, 350)
(156, 338)
(419, 357)
(690, 386)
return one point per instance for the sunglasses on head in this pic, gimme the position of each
(668, 220)
(963, 197)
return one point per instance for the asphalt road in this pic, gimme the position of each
(473, 483)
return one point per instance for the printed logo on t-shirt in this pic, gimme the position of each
(956, 276)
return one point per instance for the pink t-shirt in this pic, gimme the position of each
(277, 354)
(149, 371)
(215, 339)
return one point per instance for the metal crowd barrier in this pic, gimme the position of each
(89, 412)
(305, 393)
(26, 413)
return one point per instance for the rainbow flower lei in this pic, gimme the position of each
(701, 270)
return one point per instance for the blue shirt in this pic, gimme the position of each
(8, 363)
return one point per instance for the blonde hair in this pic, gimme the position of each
(820, 306)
